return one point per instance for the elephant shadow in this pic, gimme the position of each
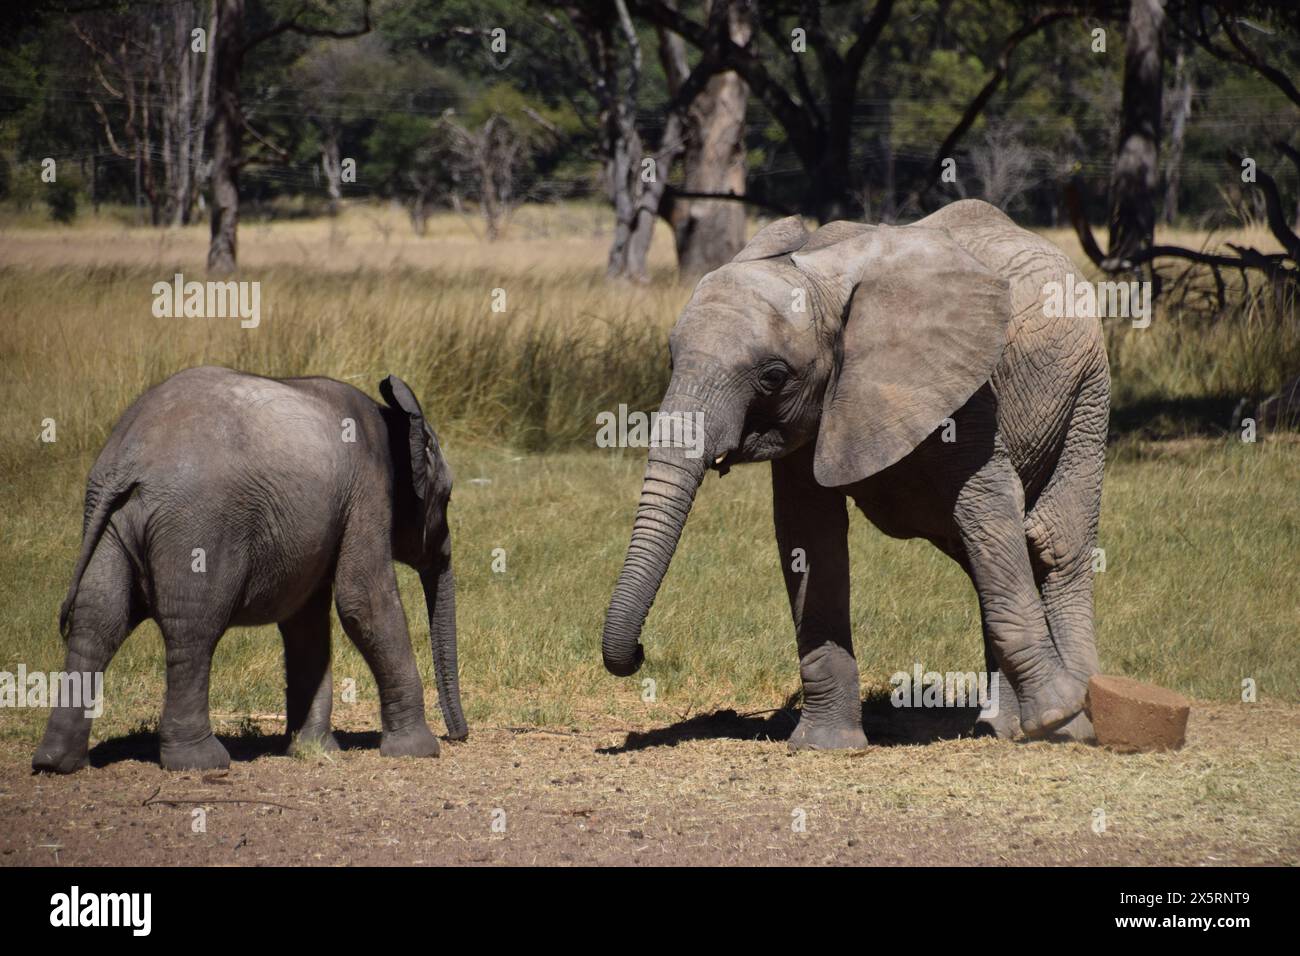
(243, 747)
(885, 726)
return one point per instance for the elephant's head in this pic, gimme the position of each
(862, 339)
(421, 536)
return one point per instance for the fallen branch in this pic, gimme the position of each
(1273, 265)
(1273, 209)
(154, 800)
(674, 193)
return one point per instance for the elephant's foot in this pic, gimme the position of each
(1000, 715)
(1052, 705)
(65, 746)
(832, 710)
(311, 739)
(1079, 729)
(205, 754)
(814, 735)
(53, 756)
(414, 741)
(1003, 724)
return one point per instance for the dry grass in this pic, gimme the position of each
(556, 241)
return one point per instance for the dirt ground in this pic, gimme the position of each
(713, 789)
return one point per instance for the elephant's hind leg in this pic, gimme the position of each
(102, 616)
(186, 738)
(1061, 531)
(989, 515)
(309, 687)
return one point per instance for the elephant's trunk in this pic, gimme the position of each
(672, 477)
(440, 598)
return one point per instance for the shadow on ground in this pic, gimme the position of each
(1158, 419)
(885, 726)
(143, 745)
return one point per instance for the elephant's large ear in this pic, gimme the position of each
(430, 473)
(778, 238)
(925, 325)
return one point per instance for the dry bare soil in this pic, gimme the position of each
(714, 789)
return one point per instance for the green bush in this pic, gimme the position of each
(61, 198)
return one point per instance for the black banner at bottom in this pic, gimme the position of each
(134, 905)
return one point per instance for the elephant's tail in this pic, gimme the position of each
(109, 499)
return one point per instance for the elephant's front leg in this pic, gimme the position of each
(365, 594)
(812, 536)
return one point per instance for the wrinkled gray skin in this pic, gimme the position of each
(257, 473)
(903, 328)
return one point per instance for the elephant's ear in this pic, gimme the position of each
(775, 239)
(430, 473)
(924, 326)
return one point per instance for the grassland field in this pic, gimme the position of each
(1200, 591)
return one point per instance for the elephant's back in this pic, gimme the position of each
(212, 423)
(259, 466)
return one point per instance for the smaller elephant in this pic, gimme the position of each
(226, 499)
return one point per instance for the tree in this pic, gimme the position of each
(1136, 172)
(228, 126)
(340, 83)
(820, 134)
(414, 161)
(498, 136)
(125, 52)
(1184, 89)
(610, 65)
(710, 232)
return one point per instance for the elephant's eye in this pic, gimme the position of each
(773, 377)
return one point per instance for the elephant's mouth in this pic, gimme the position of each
(761, 439)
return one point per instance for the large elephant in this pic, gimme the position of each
(225, 499)
(915, 371)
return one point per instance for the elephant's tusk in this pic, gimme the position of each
(718, 460)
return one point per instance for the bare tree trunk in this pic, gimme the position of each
(226, 133)
(1135, 175)
(419, 214)
(183, 115)
(202, 170)
(889, 201)
(1184, 89)
(636, 187)
(622, 169)
(168, 93)
(332, 166)
(146, 129)
(709, 233)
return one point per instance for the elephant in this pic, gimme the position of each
(914, 370)
(227, 499)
